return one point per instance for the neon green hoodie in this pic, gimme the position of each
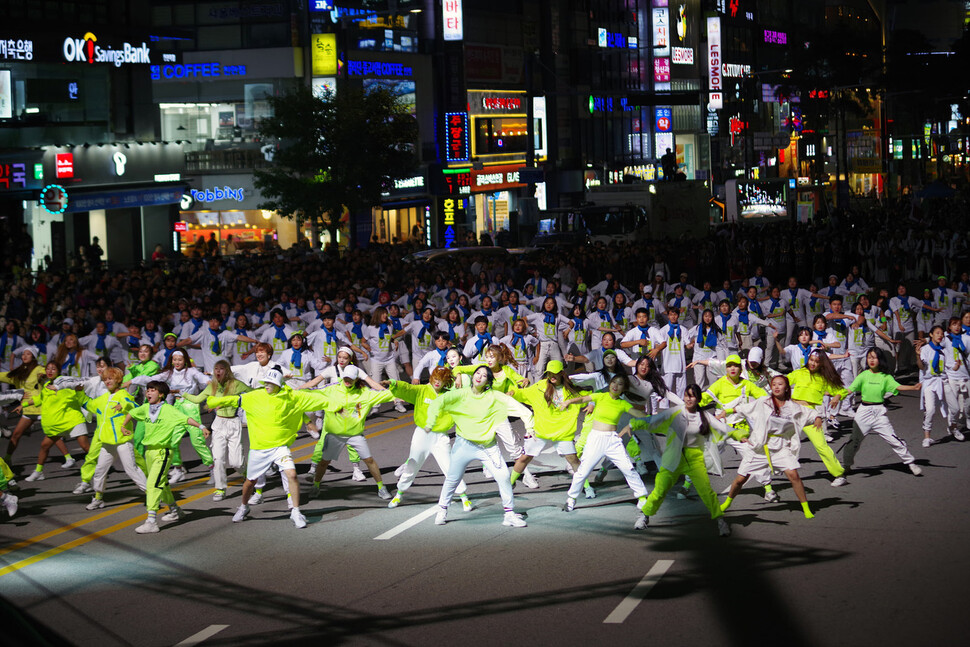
(550, 422)
(421, 396)
(60, 410)
(273, 420)
(166, 428)
(110, 410)
(477, 414)
(347, 409)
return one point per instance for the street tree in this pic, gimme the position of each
(334, 152)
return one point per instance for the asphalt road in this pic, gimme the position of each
(884, 562)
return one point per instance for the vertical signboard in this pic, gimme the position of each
(714, 61)
(324, 57)
(451, 19)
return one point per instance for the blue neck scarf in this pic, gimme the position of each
(514, 309)
(957, 342)
(425, 328)
(942, 294)
(756, 308)
(465, 312)
(331, 336)
(441, 356)
(707, 297)
(759, 281)
(794, 294)
(151, 336)
(216, 346)
(451, 331)
(280, 333)
(241, 331)
(673, 331)
(724, 321)
(518, 339)
(579, 323)
(69, 362)
(395, 323)
(644, 331)
(133, 342)
(937, 363)
(820, 334)
(5, 341)
(296, 358)
(775, 304)
(743, 316)
(604, 315)
(348, 317)
(708, 340)
(482, 342)
(168, 353)
(806, 351)
(196, 324)
(549, 317)
(966, 330)
(905, 302)
(383, 330)
(357, 329)
(99, 346)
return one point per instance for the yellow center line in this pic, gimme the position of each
(129, 522)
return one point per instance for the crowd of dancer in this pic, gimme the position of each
(509, 361)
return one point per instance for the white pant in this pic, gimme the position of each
(424, 443)
(676, 382)
(464, 452)
(957, 393)
(379, 368)
(746, 452)
(608, 444)
(333, 443)
(932, 399)
(126, 454)
(548, 351)
(509, 440)
(869, 419)
(226, 448)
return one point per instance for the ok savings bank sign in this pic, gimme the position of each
(89, 50)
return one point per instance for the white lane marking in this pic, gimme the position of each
(205, 634)
(413, 521)
(639, 592)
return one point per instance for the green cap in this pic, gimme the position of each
(554, 366)
(733, 359)
(170, 334)
(581, 287)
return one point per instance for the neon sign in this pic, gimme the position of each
(53, 198)
(84, 50)
(457, 145)
(196, 70)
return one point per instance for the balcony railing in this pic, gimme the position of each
(223, 161)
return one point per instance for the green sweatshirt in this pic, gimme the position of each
(509, 379)
(60, 410)
(347, 409)
(811, 387)
(421, 396)
(231, 387)
(477, 414)
(874, 386)
(110, 410)
(31, 387)
(550, 422)
(727, 392)
(166, 429)
(273, 420)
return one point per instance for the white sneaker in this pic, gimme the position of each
(839, 482)
(96, 504)
(211, 479)
(570, 504)
(12, 485)
(311, 474)
(177, 474)
(514, 520)
(241, 513)
(915, 469)
(174, 514)
(383, 493)
(255, 499)
(466, 504)
(312, 431)
(82, 487)
(569, 469)
(6, 431)
(10, 504)
(642, 522)
(219, 495)
(396, 501)
(69, 463)
(298, 519)
(589, 491)
(35, 476)
(723, 529)
(399, 470)
(829, 438)
(928, 441)
(147, 528)
(358, 474)
(441, 518)
(529, 480)
(487, 473)
(399, 407)
(771, 496)
(956, 433)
